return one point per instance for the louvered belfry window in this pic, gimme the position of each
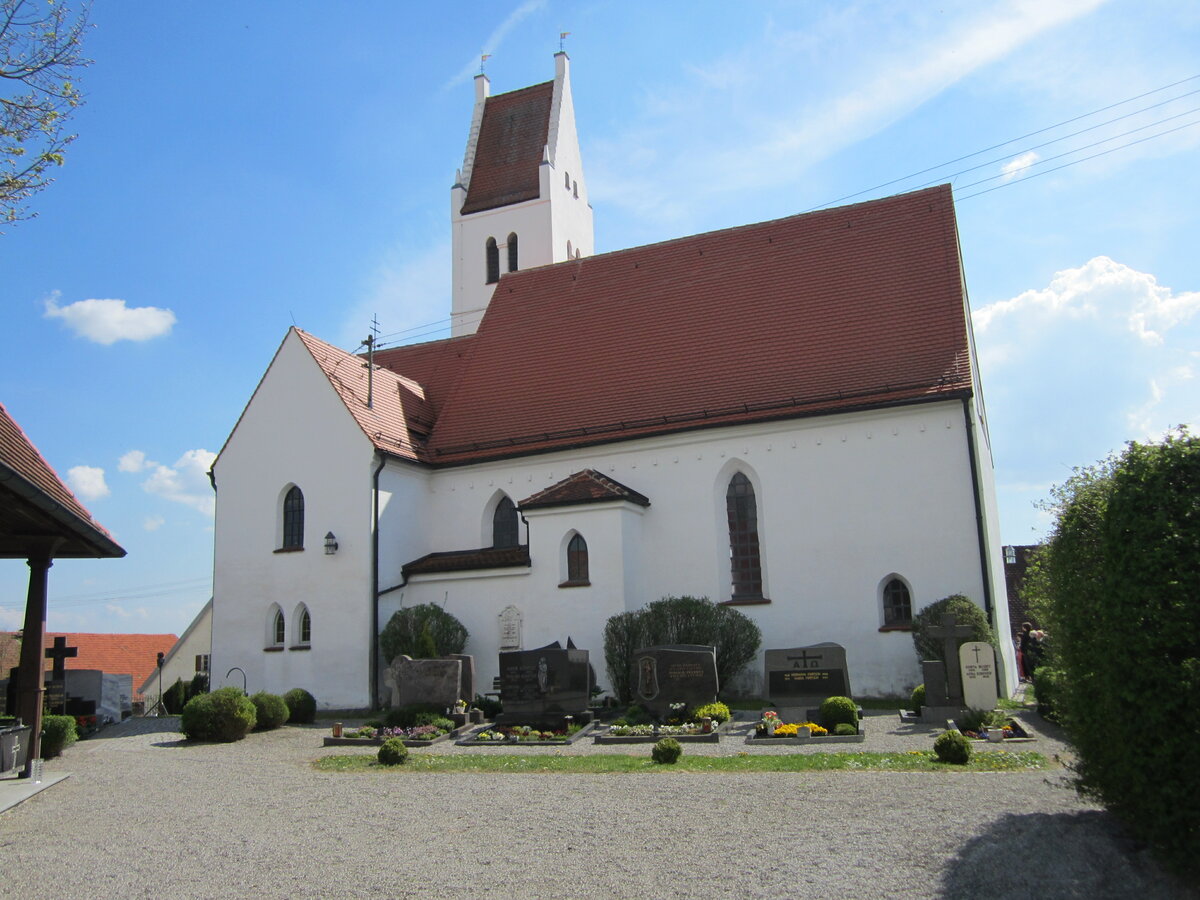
(743, 538)
(493, 261)
(512, 252)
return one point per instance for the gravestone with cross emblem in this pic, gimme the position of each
(805, 676)
(977, 665)
(56, 696)
(943, 678)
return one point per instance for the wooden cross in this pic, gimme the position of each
(950, 632)
(59, 653)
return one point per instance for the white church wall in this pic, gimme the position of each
(843, 501)
(294, 431)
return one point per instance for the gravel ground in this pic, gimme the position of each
(146, 814)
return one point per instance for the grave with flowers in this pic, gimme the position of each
(836, 722)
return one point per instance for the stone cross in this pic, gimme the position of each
(951, 632)
(59, 653)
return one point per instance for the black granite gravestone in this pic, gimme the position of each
(544, 685)
(672, 674)
(806, 676)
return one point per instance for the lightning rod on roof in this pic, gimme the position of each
(562, 36)
(370, 342)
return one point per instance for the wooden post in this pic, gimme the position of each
(32, 655)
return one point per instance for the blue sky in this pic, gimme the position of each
(243, 166)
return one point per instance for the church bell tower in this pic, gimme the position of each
(520, 199)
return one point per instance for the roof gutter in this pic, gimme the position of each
(973, 461)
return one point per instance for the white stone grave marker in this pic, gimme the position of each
(510, 628)
(977, 662)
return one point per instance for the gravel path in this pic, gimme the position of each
(147, 815)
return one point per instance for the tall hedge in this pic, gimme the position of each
(422, 631)
(1116, 587)
(965, 613)
(679, 620)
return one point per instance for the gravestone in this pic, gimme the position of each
(56, 693)
(510, 628)
(544, 685)
(806, 676)
(438, 682)
(674, 673)
(977, 664)
(943, 679)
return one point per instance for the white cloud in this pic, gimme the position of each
(1017, 165)
(115, 609)
(87, 482)
(108, 321)
(153, 523)
(186, 482)
(133, 461)
(494, 40)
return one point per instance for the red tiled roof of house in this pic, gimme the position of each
(464, 560)
(855, 307)
(508, 151)
(588, 486)
(30, 476)
(114, 654)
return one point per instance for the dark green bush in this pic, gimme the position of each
(718, 712)
(392, 752)
(58, 733)
(489, 706)
(1046, 682)
(952, 747)
(838, 710)
(198, 686)
(844, 729)
(918, 698)
(679, 620)
(412, 715)
(965, 613)
(637, 714)
(224, 715)
(302, 706)
(175, 697)
(667, 751)
(270, 711)
(972, 719)
(423, 631)
(1115, 588)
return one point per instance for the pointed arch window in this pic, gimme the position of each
(504, 524)
(512, 252)
(278, 628)
(293, 519)
(897, 603)
(305, 628)
(577, 561)
(493, 261)
(742, 512)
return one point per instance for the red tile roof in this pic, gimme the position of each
(30, 489)
(588, 486)
(508, 152)
(114, 654)
(465, 560)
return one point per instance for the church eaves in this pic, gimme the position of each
(588, 486)
(508, 154)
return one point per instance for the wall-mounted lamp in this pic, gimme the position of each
(331, 544)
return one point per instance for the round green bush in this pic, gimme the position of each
(58, 733)
(965, 613)
(422, 631)
(918, 698)
(667, 751)
(844, 729)
(838, 710)
(302, 706)
(175, 697)
(224, 715)
(270, 711)
(392, 752)
(952, 747)
(718, 712)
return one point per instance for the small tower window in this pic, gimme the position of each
(569, 256)
(567, 179)
(504, 524)
(512, 252)
(575, 188)
(493, 261)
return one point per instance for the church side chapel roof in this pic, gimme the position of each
(508, 154)
(34, 500)
(588, 486)
(466, 560)
(856, 307)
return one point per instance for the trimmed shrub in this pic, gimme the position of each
(837, 711)
(392, 752)
(965, 613)
(718, 712)
(489, 706)
(679, 620)
(952, 747)
(198, 686)
(270, 711)
(1046, 681)
(175, 697)
(423, 631)
(844, 729)
(58, 733)
(224, 715)
(667, 751)
(918, 698)
(302, 706)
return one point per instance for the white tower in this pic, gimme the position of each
(520, 199)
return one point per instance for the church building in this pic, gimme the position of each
(785, 417)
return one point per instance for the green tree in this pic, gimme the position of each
(40, 44)
(1116, 586)
(422, 631)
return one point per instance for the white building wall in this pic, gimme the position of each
(295, 430)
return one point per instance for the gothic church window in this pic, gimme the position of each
(742, 513)
(512, 252)
(293, 519)
(577, 561)
(897, 603)
(504, 524)
(493, 261)
(278, 628)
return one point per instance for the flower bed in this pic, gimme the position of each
(688, 732)
(1012, 731)
(523, 735)
(770, 730)
(367, 736)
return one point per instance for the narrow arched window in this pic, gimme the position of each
(305, 628)
(567, 179)
(279, 628)
(568, 250)
(504, 524)
(575, 188)
(577, 560)
(742, 511)
(493, 261)
(512, 252)
(897, 603)
(293, 519)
